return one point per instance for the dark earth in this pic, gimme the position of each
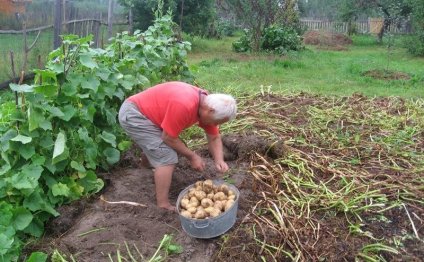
(93, 230)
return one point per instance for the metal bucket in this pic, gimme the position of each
(209, 227)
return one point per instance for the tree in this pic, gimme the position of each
(257, 15)
(416, 44)
(391, 10)
(193, 16)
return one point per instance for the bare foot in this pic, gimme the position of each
(168, 207)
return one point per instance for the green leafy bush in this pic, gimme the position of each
(243, 44)
(64, 127)
(280, 39)
(415, 44)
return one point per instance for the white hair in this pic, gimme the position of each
(224, 106)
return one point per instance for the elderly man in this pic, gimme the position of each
(154, 118)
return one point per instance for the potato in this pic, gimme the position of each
(194, 201)
(215, 212)
(200, 214)
(210, 195)
(223, 188)
(232, 197)
(191, 192)
(199, 195)
(199, 184)
(186, 213)
(192, 209)
(219, 196)
(209, 209)
(184, 203)
(228, 205)
(185, 197)
(208, 186)
(231, 192)
(219, 205)
(215, 189)
(206, 202)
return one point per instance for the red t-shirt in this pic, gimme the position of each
(173, 106)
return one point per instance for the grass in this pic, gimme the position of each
(325, 72)
(15, 43)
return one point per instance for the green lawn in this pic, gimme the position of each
(15, 43)
(216, 67)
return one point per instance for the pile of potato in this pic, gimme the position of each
(205, 200)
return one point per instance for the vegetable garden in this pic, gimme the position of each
(320, 178)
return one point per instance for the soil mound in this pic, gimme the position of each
(386, 74)
(327, 40)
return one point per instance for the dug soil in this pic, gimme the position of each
(299, 137)
(95, 230)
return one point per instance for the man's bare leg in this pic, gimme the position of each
(163, 178)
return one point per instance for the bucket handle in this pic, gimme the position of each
(202, 224)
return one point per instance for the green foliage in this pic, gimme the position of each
(243, 44)
(277, 39)
(416, 44)
(197, 16)
(225, 28)
(280, 39)
(64, 127)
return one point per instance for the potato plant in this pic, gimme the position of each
(206, 200)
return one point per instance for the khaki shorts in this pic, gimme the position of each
(147, 135)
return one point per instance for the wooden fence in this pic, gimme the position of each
(363, 27)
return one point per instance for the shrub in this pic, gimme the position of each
(243, 44)
(415, 44)
(280, 39)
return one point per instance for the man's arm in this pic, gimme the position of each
(175, 143)
(215, 148)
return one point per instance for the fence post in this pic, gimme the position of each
(57, 23)
(109, 19)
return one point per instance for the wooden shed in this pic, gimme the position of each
(10, 7)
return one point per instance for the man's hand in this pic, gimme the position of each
(221, 166)
(197, 162)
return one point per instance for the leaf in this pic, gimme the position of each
(55, 111)
(91, 183)
(26, 151)
(38, 201)
(68, 111)
(70, 88)
(112, 155)
(60, 151)
(22, 88)
(78, 167)
(34, 118)
(37, 257)
(124, 145)
(23, 139)
(46, 90)
(60, 189)
(27, 178)
(87, 61)
(21, 218)
(5, 243)
(90, 82)
(109, 138)
(35, 228)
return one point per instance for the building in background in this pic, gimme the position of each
(13, 7)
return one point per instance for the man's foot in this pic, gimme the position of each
(168, 207)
